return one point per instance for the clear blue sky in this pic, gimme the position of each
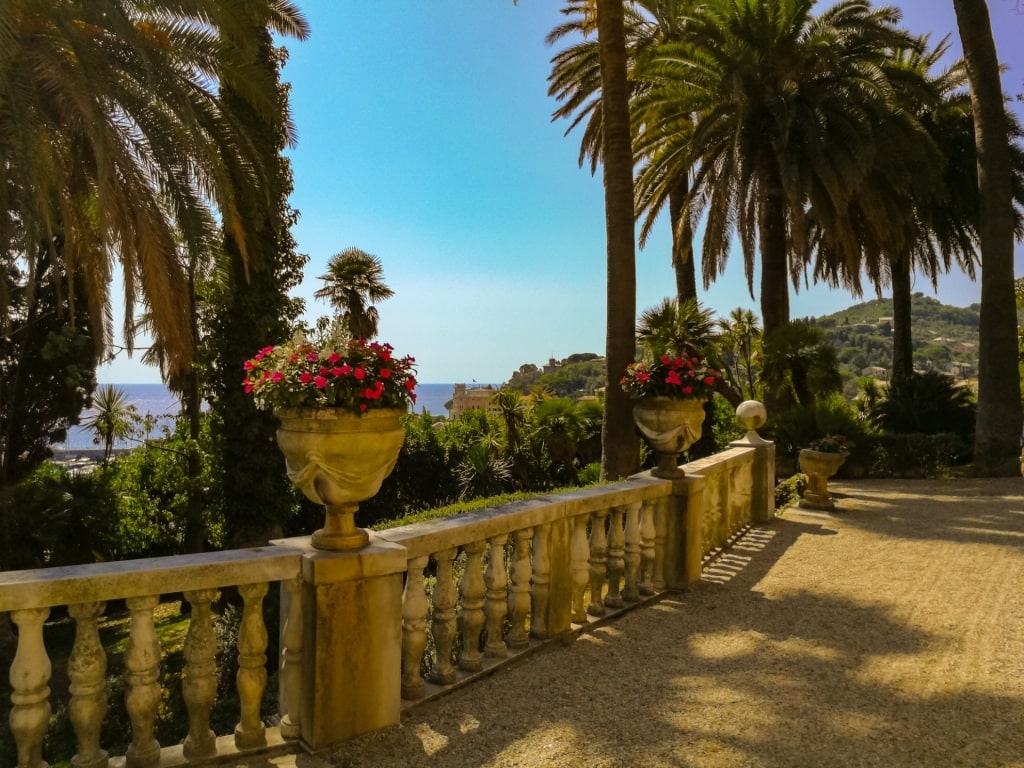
(425, 138)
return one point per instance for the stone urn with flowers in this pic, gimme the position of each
(819, 462)
(339, 402)
(669, 393)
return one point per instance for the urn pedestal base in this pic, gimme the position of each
(339, 459)
(819, 467)
(670, 426)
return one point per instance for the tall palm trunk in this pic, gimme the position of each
(902, 338)
(998, 425)
(620, 444)
(774, 257)
(682, 243)
(195, 527)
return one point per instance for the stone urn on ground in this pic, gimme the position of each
(339, 459)
(819, 466)
(671, 426)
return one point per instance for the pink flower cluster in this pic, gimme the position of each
(359, 377)
(667, 376)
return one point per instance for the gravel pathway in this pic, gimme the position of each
(888, 634)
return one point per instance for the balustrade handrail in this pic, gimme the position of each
(427, 537)
(50, 587)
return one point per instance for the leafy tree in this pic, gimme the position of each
(997, 436)
(353, 283)
(47, 366)
(113, 418)
(247, 307)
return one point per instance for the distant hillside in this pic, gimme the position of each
(945, 337)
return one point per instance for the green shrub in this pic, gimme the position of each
(788, 491)
(917, 455)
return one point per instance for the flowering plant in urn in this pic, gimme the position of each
(680, 378)
(830, 444)
(670, 391)
(353, 374)
(339, 403)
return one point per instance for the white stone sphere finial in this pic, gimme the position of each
(752, 415)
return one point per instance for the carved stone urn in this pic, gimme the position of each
(670, 426)
(339, 459)
(819, 467)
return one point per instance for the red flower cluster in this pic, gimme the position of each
(676, 377)
(359, 377)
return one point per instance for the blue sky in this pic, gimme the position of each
(425, 138)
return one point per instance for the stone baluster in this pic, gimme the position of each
(519, 593)
(580, 567)
(414, 629)
(616, 559)
(199, 685)
(540, 589)
(30, 678)
(661, 508)
(443, 625)
(631, 558)
(598, 562)
(473, 591)
(87, 671)
(496, 604)
(142, 697)
(291, 663)
(647, 548)
(251, 679)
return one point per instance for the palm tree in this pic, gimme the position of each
(999, 390)
(354, 281)
(113, 141)
(575, 81)
(620, 445)
(740, 342)
(784, 105)
(113, 418)
(798, 365)
(677, 328)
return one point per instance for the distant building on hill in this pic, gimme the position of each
(477, 398)
(875, 372)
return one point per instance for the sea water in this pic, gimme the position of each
(155, 400)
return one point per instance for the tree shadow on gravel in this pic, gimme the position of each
(719, 675)
(977, 511)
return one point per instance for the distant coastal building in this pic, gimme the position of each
(477, 398)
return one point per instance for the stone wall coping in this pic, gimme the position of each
(97, 582)
(323, 566)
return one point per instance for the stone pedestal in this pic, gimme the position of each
(819, 467)
(352, 617)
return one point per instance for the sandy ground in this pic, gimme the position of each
(888, 634)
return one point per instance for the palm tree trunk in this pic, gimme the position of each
(774, 256)
(998, 425)
(682, 243)
(195, 528)
(902, 338)
(620, 444)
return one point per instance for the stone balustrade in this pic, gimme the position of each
(477, 589)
